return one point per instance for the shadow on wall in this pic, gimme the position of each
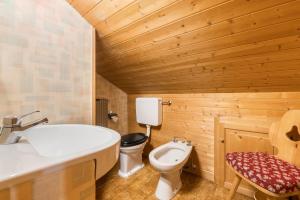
(149, 147)
(4, 101)
(103, 53)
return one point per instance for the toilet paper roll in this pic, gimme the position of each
(115, 118)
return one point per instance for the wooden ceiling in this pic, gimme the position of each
(179, 46)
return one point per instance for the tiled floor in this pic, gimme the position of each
(142, 186)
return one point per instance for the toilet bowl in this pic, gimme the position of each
(169, 160)
(132, 146)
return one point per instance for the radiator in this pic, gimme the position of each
(102, 112)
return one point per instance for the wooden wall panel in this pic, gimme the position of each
(186, 46)
(192, 116)
(74, 182)
(233, 135)
(236, 140)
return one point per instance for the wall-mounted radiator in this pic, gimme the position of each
(102, 112)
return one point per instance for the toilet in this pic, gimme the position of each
(149, 113)
(169, 160)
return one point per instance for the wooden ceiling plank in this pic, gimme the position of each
(276, 14)
(105, 9)
(184, 46)
(134, 12)
(205, 78)
(255, 62)
(171, 14)
(209, 14)
(225, 77)
(276, 88)
(185, 49)
(218, 90)
(283, 43)
(270, 69)
(230, 96)
(83, 6)
(139, 71)
(210, 48)
(192, 85)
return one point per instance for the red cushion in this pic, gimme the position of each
(267, 171)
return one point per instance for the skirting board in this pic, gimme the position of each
(207, 175)
(241, 190)
(203, 173)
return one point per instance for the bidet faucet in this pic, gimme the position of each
(12, 124)
(182, 139)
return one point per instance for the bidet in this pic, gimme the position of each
(169, 160)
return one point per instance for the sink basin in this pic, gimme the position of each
(46, 146)
(67, 139)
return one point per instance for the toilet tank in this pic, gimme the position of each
(149, 111)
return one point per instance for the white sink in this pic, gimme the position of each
(67, 139)
(46, 146)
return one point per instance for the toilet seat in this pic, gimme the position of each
(133, 139)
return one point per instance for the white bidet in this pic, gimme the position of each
(169, 160)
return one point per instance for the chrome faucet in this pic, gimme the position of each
(183, 140)
(12, 124)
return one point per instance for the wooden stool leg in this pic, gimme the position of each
(234, 187)
(270, 198)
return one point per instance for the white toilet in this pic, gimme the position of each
(169, 160)
(148, 112)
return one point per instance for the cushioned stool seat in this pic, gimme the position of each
(267, 171)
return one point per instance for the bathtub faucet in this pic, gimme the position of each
(12, 124)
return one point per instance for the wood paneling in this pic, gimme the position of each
(185, 46)
(94, 78)
(192, 116)
(282, 138)
(117, 102)
(237, 140)
(234, 135)
(74, 182)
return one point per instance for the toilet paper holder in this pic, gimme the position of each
(112, 116)
(168, 103)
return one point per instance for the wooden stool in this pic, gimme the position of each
(276, 176)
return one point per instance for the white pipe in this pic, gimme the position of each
(148, 130)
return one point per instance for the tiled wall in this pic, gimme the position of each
(45, 60)
(117, 102)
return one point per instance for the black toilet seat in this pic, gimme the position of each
(133, 139)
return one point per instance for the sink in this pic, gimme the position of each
(68, 139)
(46, 146)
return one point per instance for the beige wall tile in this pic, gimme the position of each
(45, 60)
(117, 102)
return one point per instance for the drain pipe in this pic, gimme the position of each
(148, 130)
